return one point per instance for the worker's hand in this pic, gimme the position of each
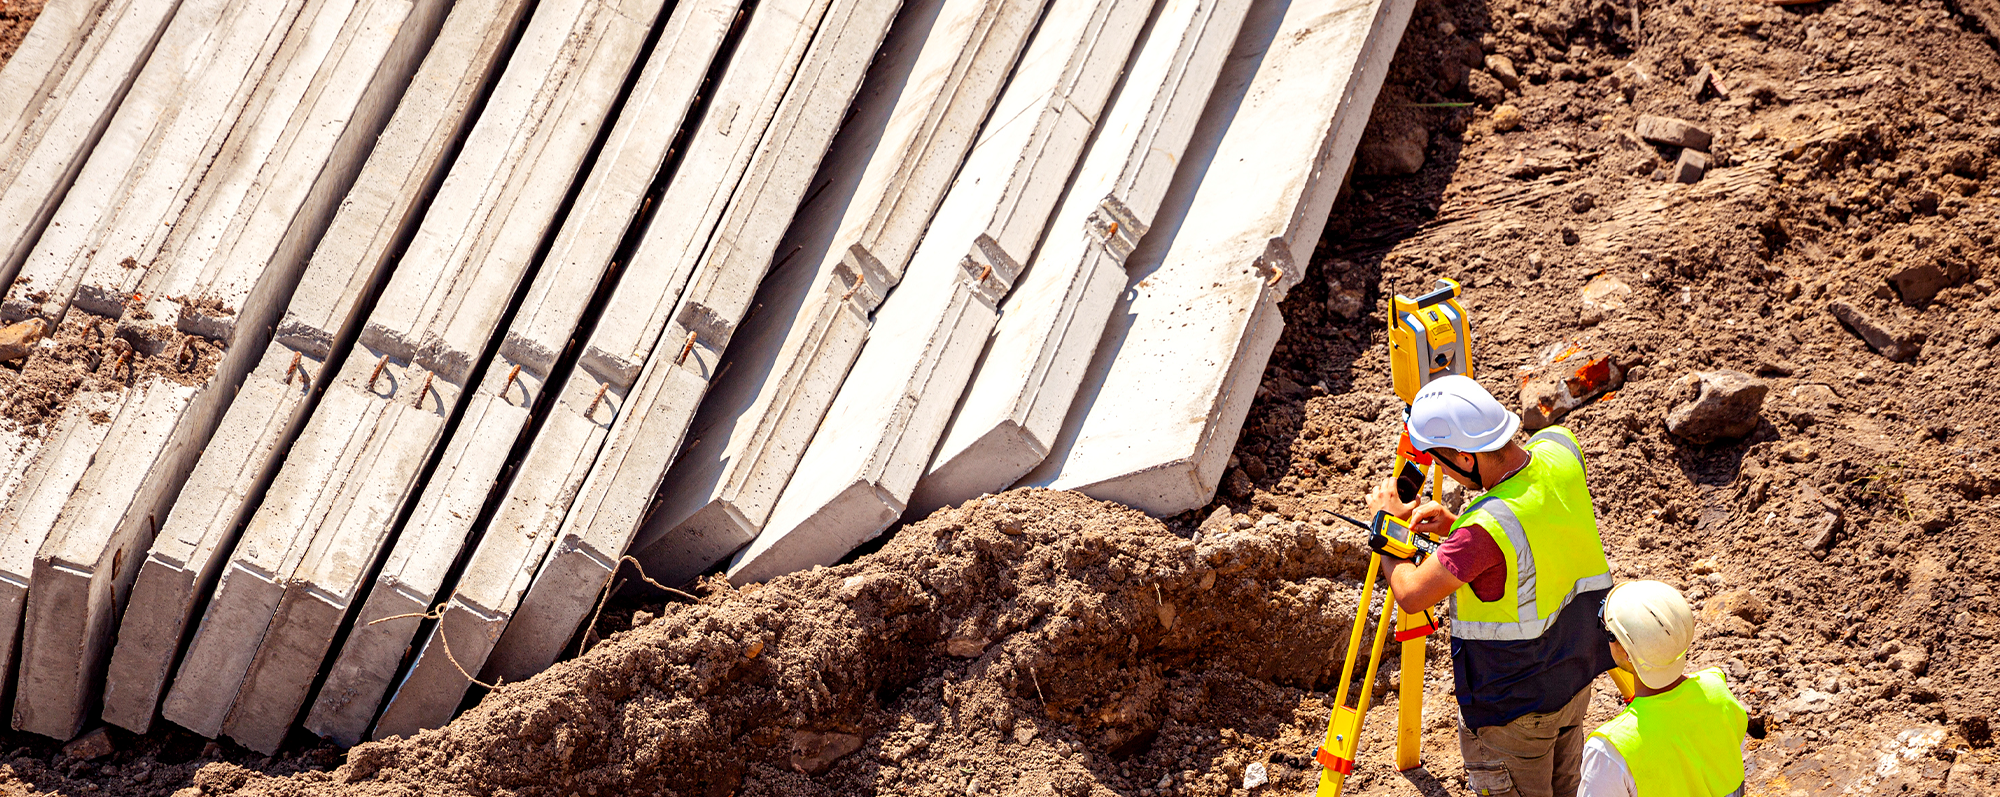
(1384, 499)
(1433, 519)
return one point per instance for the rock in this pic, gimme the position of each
(1238, 484)
(1692, 165)
(1254, 775)
(1737, 604)
(18, 340)
(1506, 117)
(1795, 451)
(1725, 406)
(1820, 516)
(1674, 132)
(1485, 87)
(1810, 701)
(1503, 70)
(1914, 659)
(1604, 298)
(1704, 81)
(1393, 145)
(1918, 280)
(1560, 387)
(1011, 525)
(813, 753)
(1343, 302)
(642, 617)
(90, 746)
(1218, 521)
(1899, 345)
(966, 647)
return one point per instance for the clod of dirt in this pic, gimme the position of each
(1897, 344)
(1725, 406)
(17, 341)
(1605, 297)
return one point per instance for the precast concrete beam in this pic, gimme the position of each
(350, 262)
(936, 78)
(1051, 322)
(443, 523)
(857, 474)
(57, 94)
(321, 527)
(164, 136)
(650, 430)
(1236, 231)
(231, 262)
(536, 501)
(451, 330)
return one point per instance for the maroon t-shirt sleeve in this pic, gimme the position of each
(1471, 555)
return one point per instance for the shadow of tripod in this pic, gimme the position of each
(1426, 783)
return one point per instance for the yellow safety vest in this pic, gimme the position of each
(1547, 532)
(1686, 742)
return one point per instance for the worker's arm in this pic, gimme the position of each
(1419, 586)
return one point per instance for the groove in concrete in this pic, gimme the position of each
(1235, 234)
(1050, 324)
(889, 167)
(348, 267)
(57, 95)
(643, 441)
(384, 413)
(453, 499)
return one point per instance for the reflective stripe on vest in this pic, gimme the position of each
(1571, 557)
(1686, 742)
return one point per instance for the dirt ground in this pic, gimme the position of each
(1038, 642)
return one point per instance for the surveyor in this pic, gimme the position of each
(1527, 572)
(1683, 735)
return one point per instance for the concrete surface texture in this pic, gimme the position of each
(533, 506)
(240, 250)
(857, 474)
(937, 77)
(1051, 322)
(614, 498)
(417, 568)
(1234, 235)
(57, 94)
(327, 515)
(349, 264)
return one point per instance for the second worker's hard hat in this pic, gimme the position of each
(1655, 626)
(1455, 412)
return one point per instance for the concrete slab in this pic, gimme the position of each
(1234, 235)
(887, 171)
(535, 502)
(350, 263)
(1051, 322)
(519, 188)
(147, 164)
(644, 439)
(499, 413)
(859, 471)
(57, 94)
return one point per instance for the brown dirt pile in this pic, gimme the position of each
(93, 353)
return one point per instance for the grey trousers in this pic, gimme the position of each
(1537, 755)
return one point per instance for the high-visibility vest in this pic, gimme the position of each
(1685, 742)
(1547, 532)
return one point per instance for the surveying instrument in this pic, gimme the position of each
(1429, 337)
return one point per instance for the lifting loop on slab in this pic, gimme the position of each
(373, 375)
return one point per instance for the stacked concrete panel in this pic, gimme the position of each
(896, 156)
(532, 509)
(307, 551)
(649, 431)
(360, 675)
(56, 95)
(225, 226)
(348, 266)
(1051, 322)
(1239, 224)
(857, 475)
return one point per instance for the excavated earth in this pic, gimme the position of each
(1039, 642)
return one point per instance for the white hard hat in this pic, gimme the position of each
(1654, 624)
(1455, 412)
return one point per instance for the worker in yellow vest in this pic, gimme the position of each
(1525, 571)
(1683, 735)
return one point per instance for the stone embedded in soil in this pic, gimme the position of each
(1725, 406)
(1560, 387)
(1691, 166)
(1737, 612)
(1604, 298)
(1393, 145)
(1674, 132)
(1503, 70)
(90, 746)
(1899, 345)
(813, 753)
(1506, 117)
(1917, 280)
(18, 340)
